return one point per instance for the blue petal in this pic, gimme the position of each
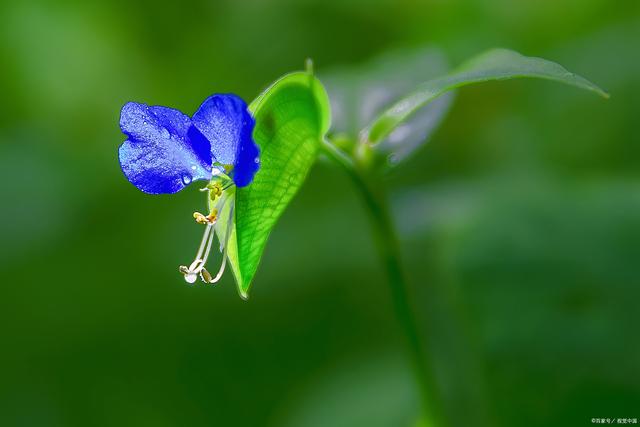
(247, 159)
(225, 121)
(159, 157)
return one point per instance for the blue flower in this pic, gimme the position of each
(167, 150)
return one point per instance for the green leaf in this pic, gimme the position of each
(495, 64)
(292, 118)
(359, 93)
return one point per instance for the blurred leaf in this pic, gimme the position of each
(374, 391)
(495, 64)
(292, 117)
(359, 94)
(543, 271)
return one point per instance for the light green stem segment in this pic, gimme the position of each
(375, 198)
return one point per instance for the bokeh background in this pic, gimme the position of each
(520, 224)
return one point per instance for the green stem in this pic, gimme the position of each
(374, 196)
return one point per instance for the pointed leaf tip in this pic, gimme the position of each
(493, 65)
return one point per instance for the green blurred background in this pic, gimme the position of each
(520, 223)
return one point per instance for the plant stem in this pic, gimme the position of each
(387, 242)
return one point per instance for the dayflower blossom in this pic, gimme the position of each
(167, 150)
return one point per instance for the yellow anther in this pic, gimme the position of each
(215, 190)
(213, 216)
(206, 276)
(200, 219)
(206, 219)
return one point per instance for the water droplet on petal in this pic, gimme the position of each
(257, 160)
(186, 179)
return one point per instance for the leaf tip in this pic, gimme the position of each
(244, 294)
(308, 65)
(599, 91)
(595, 88)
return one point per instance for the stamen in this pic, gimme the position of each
(200, 219)
(206, 277)
(206, 253)
(206, 219)
(189, 277)
(207, 232)
(220, 272)
(197, 266)
(191, 273)
(216, 190)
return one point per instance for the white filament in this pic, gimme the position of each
(206, 242)
(197, 266)
(224, 246)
